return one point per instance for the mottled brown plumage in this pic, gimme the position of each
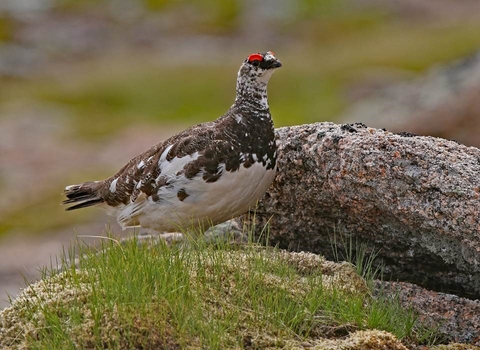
(183, 179)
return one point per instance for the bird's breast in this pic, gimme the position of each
(196, 200)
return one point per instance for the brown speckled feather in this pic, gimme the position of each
(194, 167)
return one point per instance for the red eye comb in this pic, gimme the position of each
(255, 57)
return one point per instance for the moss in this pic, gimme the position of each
(362, 340)
(229, 301)
(455, 346)
(22, 322)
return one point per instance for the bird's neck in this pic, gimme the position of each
(251, 93)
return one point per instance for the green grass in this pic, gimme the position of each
(213, 296)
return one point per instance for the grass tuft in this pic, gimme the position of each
(132, 295)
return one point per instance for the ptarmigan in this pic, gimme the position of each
(203, 176)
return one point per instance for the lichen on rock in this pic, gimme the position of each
(412, 200)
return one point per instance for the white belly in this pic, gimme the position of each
(207, 204)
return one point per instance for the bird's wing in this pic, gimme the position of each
(202, 152)
(143, 173)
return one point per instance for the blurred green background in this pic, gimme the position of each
(90, 69)
(86, 85)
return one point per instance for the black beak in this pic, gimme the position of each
(270, 64)
(276, 64)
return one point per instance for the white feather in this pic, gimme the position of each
(208, 202)
(176, 164)
(113, 186)
(163, 156)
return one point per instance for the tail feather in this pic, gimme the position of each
(85, 194)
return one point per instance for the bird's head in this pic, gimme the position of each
(254, 75)
(259, 67)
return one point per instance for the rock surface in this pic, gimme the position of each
(412, 200)
(456, 319)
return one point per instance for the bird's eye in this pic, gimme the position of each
(256, 63)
